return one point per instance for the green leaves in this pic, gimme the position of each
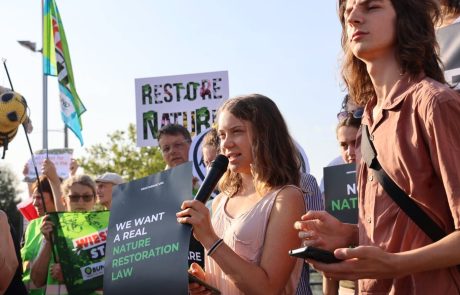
(121, 155)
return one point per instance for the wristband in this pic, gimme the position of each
(215, 246)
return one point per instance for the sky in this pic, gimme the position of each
(287, 50)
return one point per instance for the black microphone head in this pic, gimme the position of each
(218, 168)
(220, 162)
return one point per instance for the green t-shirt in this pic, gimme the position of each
(32, 241)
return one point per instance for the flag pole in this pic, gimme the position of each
(45, 87)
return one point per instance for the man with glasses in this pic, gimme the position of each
(174, 141)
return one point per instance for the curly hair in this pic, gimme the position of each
(416, 47)
(276, 161)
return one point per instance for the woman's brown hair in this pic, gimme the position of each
(45, 186)
(276, 161)
(451, 7)
(212, 139)
(416, 47)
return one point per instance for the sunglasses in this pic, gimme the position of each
(76, 198)
(357, 114)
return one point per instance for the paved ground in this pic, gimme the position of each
(316, 281)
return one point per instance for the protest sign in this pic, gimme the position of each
(340, 192)
(80, 241)
(60, 157)
(449, 44)
(147, 248)
(188, 100)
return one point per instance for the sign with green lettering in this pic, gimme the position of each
(147, 249)
(340, 192)
(80, 239)
(190, 100)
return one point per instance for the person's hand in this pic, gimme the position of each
(56, 272)
(195, 288)
(47, 228)
(73, 167)
(49, 170)
(195, 213)
(364, 262)
(322, 230)
(196, 270)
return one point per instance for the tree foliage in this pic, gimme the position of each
(120, 155)
(9, 197)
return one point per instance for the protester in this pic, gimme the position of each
(49, 170)
(258, 204)
(314, 200)
(104, 187)
(390, 64)
(348, 107)
(33, 237)
(10, 261)
(447, 34)
(78, 195)
(346, 132)
(210, 147)
(174, 141)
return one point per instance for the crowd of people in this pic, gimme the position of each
(398, 123)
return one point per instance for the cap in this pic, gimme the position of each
(110, 178)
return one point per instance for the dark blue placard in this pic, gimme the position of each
(147, 248)
(340, 191)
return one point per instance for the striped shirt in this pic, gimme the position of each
(313, 201)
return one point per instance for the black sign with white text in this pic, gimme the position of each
(341, 195)
(147, 249)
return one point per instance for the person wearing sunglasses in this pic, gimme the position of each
(355, 113)
(349, 110)
(78, 195)
(346, 132)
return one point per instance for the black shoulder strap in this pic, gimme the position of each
(408, 205)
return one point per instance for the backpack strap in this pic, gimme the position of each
(407, 204)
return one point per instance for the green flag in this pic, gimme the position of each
(56, 62)
(80, 239)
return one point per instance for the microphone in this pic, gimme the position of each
(218, 168)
